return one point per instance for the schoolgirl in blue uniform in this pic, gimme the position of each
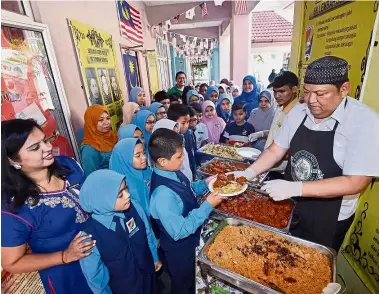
(174, 207)
(125, 257)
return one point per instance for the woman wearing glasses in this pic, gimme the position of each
(99, 139)
(145, 120)
(40, 209)
(159, 110)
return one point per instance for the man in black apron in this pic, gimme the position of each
(321, 137)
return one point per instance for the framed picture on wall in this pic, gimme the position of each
(132, 76)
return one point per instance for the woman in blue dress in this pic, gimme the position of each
(40, 209)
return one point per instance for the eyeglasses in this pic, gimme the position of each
(161, 113)
(150, 122)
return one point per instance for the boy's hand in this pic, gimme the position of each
(214, 199)
(158, 265)
(209, 179)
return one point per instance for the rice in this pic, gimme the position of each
(271, 260)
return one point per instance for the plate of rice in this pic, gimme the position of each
(228, 185)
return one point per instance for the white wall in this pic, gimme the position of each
(272, 58)
(224, 52)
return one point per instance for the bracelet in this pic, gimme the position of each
(63, 258)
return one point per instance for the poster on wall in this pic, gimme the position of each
(98, 64)
(131, 69)
(337, 28)
(152, 68)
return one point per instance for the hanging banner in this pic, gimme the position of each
(131, 69)
(338, 28)
(152, 66)
(98, 64)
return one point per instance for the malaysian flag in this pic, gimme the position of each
(204, 10)
(130, 22)
(240, 7)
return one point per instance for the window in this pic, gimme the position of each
(163, 63)
(13, 6)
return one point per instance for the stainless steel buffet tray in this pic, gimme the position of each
(257, 182)
(201, 152)
(241, 282)
(221, 215)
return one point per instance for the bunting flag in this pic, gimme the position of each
(218, 2)
(176, 19)
(204, 10)
(130, 22)
(240, 7)
(190, 13)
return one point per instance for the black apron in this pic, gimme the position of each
(311, 159)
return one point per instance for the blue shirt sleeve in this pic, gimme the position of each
(199, 187)
(153, 243)
(167, 206)
(15, 229)
(95, 272)
(90, 159)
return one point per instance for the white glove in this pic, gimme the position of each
(331, 288)
(280, 189)
(248, 173)
(255, 136)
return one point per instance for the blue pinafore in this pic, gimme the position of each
(125, 253)
(180, 255)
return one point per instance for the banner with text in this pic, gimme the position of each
(152, 66)
(338, 28)
(98, 64)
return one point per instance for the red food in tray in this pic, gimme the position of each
(257, 207)
(218, 166)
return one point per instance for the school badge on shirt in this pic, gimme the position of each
(132, 227)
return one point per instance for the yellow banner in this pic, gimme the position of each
(153, 72)
(338, 28)
(98, 64)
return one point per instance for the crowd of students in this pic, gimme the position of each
(137, 186)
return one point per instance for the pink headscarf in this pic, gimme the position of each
(215, 125)
(128, 112)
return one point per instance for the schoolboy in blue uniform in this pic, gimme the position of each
(238, 130)
(174, 207)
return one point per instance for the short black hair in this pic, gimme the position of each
(177, 110)
(203, 85)
(174, 97)
(180, 73)
(197, 107)
(192, 111)
(164, 144)
(161, 95)
(285, 78)
(238, 106)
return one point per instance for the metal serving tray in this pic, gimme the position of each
(221, 215)
(208, 155)
(212, 269)
(255, 183)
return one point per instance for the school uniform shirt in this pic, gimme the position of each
(356, 141)
(167, 206)
(238, 134)
(94, 268)
(201, 134)
(278, 121)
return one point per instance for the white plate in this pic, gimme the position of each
(248, 152)
(210, 187)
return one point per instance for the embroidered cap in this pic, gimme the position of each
(327, 70)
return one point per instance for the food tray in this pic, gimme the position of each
(257, 182)
(208, 155)
(241, 282)
(221, 215)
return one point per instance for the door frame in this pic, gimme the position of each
(27, 23)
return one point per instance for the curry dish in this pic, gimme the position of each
(228, 184)
(270, 260)
(257, 207)
(219, 166)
